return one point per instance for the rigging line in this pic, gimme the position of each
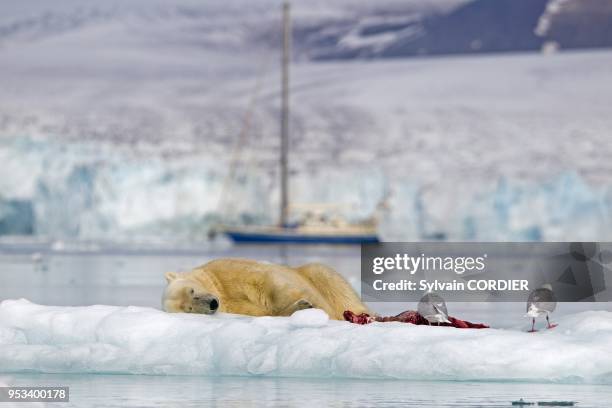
(240, 142)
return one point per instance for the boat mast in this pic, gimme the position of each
(284, 142)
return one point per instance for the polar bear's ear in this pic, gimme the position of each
(170, 276)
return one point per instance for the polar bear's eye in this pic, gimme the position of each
(191, 291)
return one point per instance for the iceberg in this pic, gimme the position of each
(137, 340)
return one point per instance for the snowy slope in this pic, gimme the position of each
(131, 340)
(488, 148)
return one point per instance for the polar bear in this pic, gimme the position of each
(259, 289)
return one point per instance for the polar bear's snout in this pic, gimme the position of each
(183, 295)
(205, 303)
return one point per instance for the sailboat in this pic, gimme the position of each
(315, 225)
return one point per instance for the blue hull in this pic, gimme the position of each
(271, 238)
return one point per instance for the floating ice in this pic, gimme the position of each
(111, 339)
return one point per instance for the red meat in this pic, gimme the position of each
(409, 316)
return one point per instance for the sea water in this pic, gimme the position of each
(239, 392)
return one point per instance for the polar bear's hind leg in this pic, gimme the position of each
(333, 288)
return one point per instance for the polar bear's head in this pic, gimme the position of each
(185, 295)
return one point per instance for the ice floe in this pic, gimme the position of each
(136, 340)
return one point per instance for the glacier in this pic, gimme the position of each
(117, 122)
(82, 191)
(137, 340)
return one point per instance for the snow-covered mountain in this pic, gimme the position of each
(118, 120)
(342, 29)
(477, 26)
(577, 23)
(471, 27)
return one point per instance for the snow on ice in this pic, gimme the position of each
(135, 340)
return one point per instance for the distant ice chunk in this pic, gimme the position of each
(124, 340)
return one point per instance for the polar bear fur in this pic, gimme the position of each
(260, 289)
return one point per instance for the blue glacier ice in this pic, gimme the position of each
(85, 191)
(562, 208)
(137, 340)
(90, 191)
